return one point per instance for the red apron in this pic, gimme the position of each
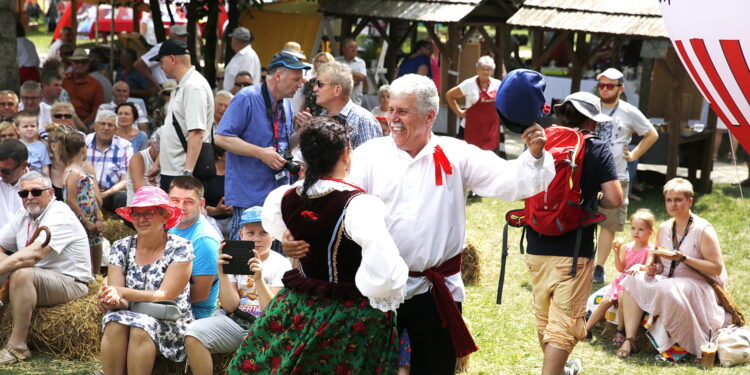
(482, 123)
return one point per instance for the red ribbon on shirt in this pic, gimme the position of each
(441, 165)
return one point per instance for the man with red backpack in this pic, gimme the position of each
(560, 290)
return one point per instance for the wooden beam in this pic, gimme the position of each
(500, 56)
(647, 68)
(592, 53)
(361, 25)
(452, 77)
(346, 27)
(382, 32)
(673, 157)
(412, 27)
(488, 40)
(581, 52)
(435, 38)
(466, 35)
(537, 46)
(542, 58)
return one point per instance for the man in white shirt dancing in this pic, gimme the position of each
(422, 178)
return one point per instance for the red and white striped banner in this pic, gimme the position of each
(713, 41)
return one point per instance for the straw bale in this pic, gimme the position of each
(471, 261)
(71, 330)
(115, 229)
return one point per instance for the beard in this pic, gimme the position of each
(34, 210)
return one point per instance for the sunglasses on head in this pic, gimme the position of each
(35, 192)
(609, 86)
(243, 84)
(63, 115)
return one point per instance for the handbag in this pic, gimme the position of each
(205, 168)
(733, 345)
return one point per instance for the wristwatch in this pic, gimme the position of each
(682, 258)
(186, 172)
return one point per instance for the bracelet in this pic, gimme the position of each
(683, 258)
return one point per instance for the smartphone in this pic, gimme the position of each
(241, 252)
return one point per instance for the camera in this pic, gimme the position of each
(290, 165)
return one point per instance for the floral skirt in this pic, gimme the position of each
(304, 334)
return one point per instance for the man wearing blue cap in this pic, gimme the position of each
(255, 131)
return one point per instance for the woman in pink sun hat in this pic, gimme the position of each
(150, 266)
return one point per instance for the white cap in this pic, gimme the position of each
(611, 73)
(588, 105)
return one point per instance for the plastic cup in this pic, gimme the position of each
(708, 355)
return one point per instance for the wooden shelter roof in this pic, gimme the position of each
(632, 18)
(439, 11)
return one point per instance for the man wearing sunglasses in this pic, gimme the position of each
(241, 80)
(626, 120)
(245, 58)
(13, 164)
(40, 276)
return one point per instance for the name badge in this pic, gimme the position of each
(280, 175)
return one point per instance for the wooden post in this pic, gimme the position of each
(452, 81)
(209, 70)
(537, 46)
(616, 44)
(675, 122)
(346, 27)
(73, 18)
(136, 18)
(192, 20)
(705, 185)
(647, 68)
(500, 31)
(161, 35)
(233, 20)
(580, 63)
(392, 53)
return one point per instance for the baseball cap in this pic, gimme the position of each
(520, 99)
(171, 47)
(587, 104)
(251, 215)
(611, 73)
(178, 30)
(294, 49)
(242, 34)
(288, 61)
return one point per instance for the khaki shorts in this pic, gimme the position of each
(559, 299)
(617, 217)
(54, 288)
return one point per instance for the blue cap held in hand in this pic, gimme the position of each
(520, 99)
(251, 215)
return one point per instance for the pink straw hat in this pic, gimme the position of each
(152, 196)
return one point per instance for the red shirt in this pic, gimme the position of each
(86, 94)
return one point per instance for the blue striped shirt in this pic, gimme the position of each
(248, 180)
(363, 123)
(110, 164)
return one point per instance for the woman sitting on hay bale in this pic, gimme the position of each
(149, 266)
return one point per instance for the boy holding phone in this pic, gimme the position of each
(242, 297)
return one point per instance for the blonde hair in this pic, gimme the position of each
(62, 105)
(646, 215)
(326, 55)
(340, 74)
(8, 125)
(679, 185)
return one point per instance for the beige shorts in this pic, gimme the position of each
(559, 299)
(617, 217)
(54, 288)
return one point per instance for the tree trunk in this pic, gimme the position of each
(8, 54)
(233, 15)
(209, 70)
(161, 36)
(192, 20)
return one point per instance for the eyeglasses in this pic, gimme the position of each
(320, 61)
(35, 98)
(322, 84)
(166, 93)
(142, 214)
(219, 78)
(35, 192)
(9, 171)
(63, 115)
(609, 86)
(243, 84)
(106, 124)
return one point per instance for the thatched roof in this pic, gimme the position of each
(440, 11)
(631, 18)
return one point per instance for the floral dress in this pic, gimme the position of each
(310, 97)
(169, 336)
(86, 200)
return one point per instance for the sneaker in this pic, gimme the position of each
(598, 274)
(573, 367)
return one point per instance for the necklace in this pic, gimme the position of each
(343, 182)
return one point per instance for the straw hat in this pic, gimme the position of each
(294, 49)
(152, 196)
(79, 54)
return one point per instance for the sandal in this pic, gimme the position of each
(623, 353)
(618, 339)
(10, 356)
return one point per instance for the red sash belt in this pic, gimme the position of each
(446, 306)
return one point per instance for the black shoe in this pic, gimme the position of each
(598, 274)
(745, 183)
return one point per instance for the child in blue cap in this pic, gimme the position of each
(242, 297)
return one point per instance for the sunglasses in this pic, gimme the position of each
(322, 84)
(609, 86)
(62, 115)
(142, 214)
(35, 192)
(166, 93)
(243, 84)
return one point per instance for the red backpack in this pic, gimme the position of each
(559, 209)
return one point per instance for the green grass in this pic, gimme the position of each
(41, 39)
(505, 334)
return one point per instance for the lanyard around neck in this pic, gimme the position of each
(675, 244)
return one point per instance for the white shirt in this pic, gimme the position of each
(54, 49)
(428, 221)
(382, 274)
(70, 246)
(274, 268)
(627, 119)
(10, 202)
(44, 117)
(246, 59)
(193, 105)
(26, 52)
(358, 66)
(470, 89)
(147, 164)
(156, 70)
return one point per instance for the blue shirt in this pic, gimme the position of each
(249, 180)
(206, 249)
(38, 156)
(363, 123)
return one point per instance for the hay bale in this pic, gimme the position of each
(115, 229)
(71, 330)
(471, 262)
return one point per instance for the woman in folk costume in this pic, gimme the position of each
(333, 315)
